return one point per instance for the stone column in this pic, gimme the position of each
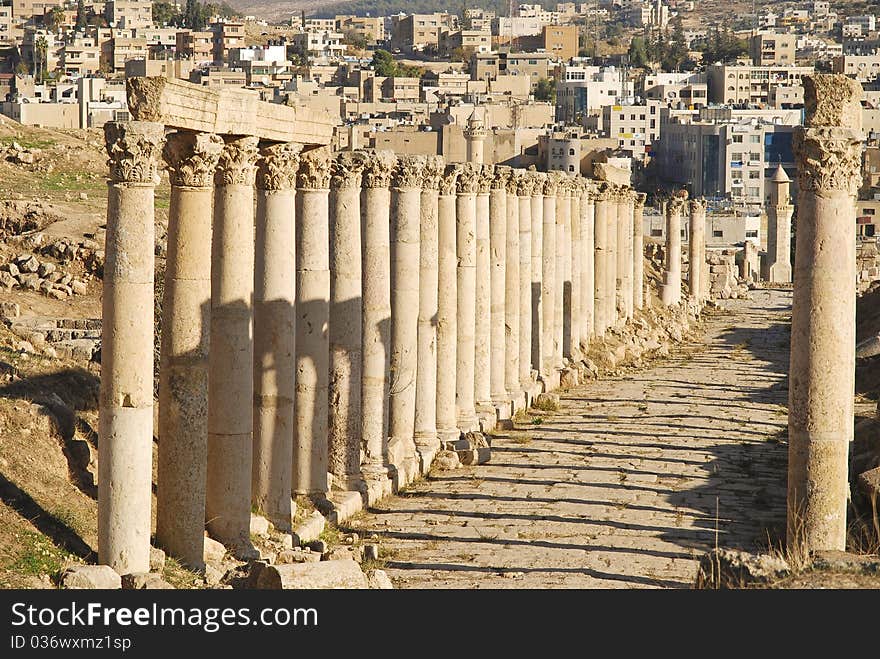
(625, 253)
(560, 302)
(447, 307)
(346, 339)
(231, 358)
(779, 229)
(376, 314)
(573, 257)
(126, 395)
(822, 373)
(612, 316)
(427, 442)
(548, 272)
(406, 199)
(274, 339)
(537, 211)
(696, 248)
(639, 251)
(467, 186)
(670, 292)
(498, 262)
(482, 334)
(511, 288)
(600, 234)
(183, 371)
(524, 198)
(310, 451)
(588, 263)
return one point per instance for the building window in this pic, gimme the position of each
(717, 234)
(751, 234)
(656, 232)
(571, 168)
(737, 139)
(571, 152)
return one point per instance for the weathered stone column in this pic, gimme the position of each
(573, 267)
(376, 316)
(537, 210)
(624, 253)
(670, 292)
(612, 315)
(482, 334)
(600, 234)
(274, 327)
(498, 264)
(696, 248)
(183, 371)
(427, 442)
(467, 186)
(511, 288)
(588, 263)
(822, 374)
(231, 357)
(560, 302)
(548, 272)
(639, 251)
(310, 453)
(779, 229)
(447, 307)
(346, 340)
(126, 396)
(524, 194)
(406, 199)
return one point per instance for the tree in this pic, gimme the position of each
(638, 52)
(55, 18)
(81, 15)
(41, 47)
(355, 39)
(165, 13)
(195, 16)
(545, 90)
(383, 63)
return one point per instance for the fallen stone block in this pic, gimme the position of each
(214, 551)
(728, 568)
(259, 525)
(90, 576)
(297, 555)
(145, 581)
(869, 484)
(311, 528)
(157, 556)
(332, 574)
(446, 460)
(379, 580)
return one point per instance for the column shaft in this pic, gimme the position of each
(537, 208)
(611, 313)
(548, 271)
(524, 200)
(483, 347)
(573, 258)
(511, 289)
(498, 251)
(600, 233)
(447, 306)
(563, 211)
(588, 265)
(671, 290)
(625, 252)
(696, 248)
(639, 251)
(466, 251)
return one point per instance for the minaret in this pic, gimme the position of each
(475, 134)
(779, 229)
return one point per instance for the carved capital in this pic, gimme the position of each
(487, 175)
(674, 207)
(134, 149)
(378, 169)
(502, 177)
(551, 184)
(697, 206)
(449, 179)
(409, 172)
(639, 202)
(468, 181)
(832, 100)
(513, 180)
(277, 166)
(828, 159)
(434, 168)
(314, 170)
(192, 158)
(537, 185)
(237, 164)
(346, 170)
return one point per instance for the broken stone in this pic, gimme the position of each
(90, 576)
(12, 269)
(8, 280)
(79, 287)
(728, 568)
(343, 573)
(157, 559)
(318, 546)
(446, 461)
(371, 552)
(214, 551)
(287, 556)
(259, 525)
(379, 580)
(9, 309)
(145, 581)
(31, 264)
(869, 483)
(311, 528)
(58, 294)
(46, 268)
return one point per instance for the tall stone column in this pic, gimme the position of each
(600, 234)
(639, 251)
(612, 315)
(231, 358)
(274, 327)
(346, 331)
(588, 263)
(822, 373)
(537, 210)
(406, 199)
(779, 228)
(573, 257)
(498, 264)
(183, 372)
(524, 198)
(467, 186)
(126, 394)
(670, 292)
(482, 334)
(376, 314)
(563, 221)
(624, 253)
(548, 272)
(427, 442)
(696, 248)
(310, 451)
(511, 288)
(447, 307)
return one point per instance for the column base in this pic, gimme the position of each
(404, 461)
(346, 503)
(427, 445)
(468, 421)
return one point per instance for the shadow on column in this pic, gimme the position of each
(566, 318)
(537, 335)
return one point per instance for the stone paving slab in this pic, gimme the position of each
(619, 488)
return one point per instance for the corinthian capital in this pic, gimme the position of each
(409, 172)
(134, 149)
(449, 179)
(277, 166)
(487, 174)
(697, 206)
(468, 181)
(192, 158)
(346, 169)
(237, 164)
(828, 159)
(314, 169)
(640, 199)
(378, 169)
(551, 184)
(501, 177)
(434, 168)
(513, 180)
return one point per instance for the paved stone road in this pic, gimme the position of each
(619, 487)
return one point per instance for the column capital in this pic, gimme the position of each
(409, 172)
(192, 158)
(237, 164)
(829, 158)
(378, 168)
(346, 170)
(696, 206)
(538, 179)
(449, 179)
(134, 149)
(468, 181)
(551, 184)
(639, 202)
(674, 206)
(434, 168)
(277, 166)
(502, 177)
(314, 169)
(487, 175)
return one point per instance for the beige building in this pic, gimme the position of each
(864, 68)
(129, 14)
(634, 127)
(126, 49)
(561, 40)
(371, 28)
(81, 56)
(418, 31)
(772, 49)
(196, 46)
(736, 84)
(226, 36)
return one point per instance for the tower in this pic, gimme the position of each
(475, 135)
(779, 228)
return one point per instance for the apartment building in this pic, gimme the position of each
(864, 68)
(582, 91)
(129, 13)
(226, 35)
(635, 127)
(561, 40)
(744, 84)
(772, 49)
(196, 46)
